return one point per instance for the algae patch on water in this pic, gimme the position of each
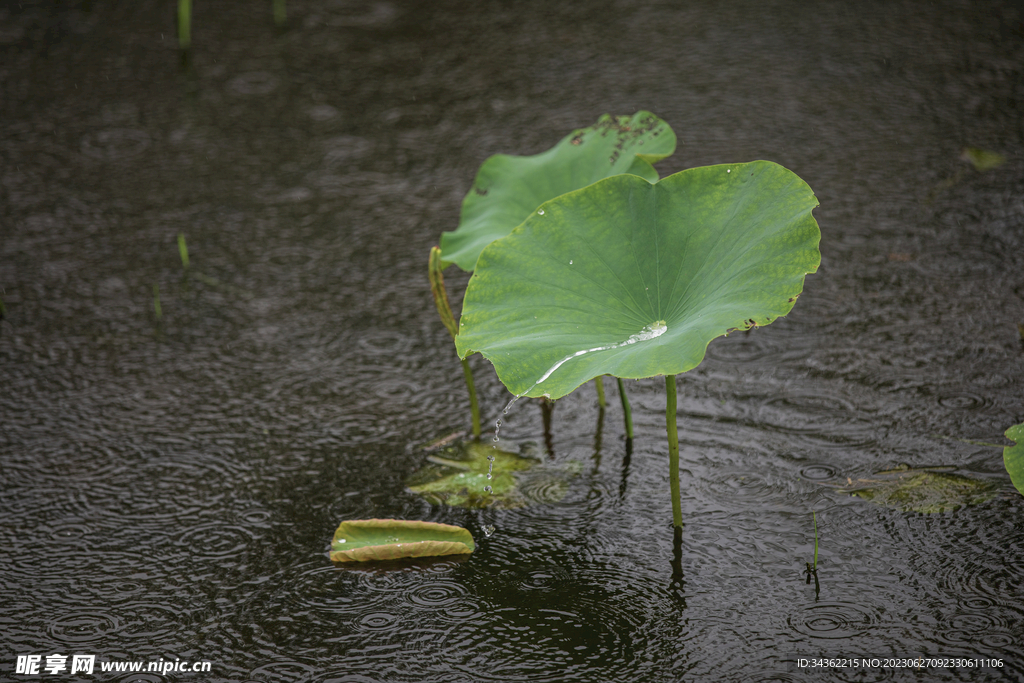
(926, 490)
(457, 476)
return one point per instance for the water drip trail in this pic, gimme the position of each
(652, 331)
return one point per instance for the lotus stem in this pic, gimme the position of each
(673, 449)
(599, 383)
(444, 310)
(677, 563)
(628, 414)
(184, 24)
(473, 406)
(279, 12)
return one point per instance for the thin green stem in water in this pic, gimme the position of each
(444, 310)
(183, 250)
(599, 383)
(279, 12)
(673, 449)
(814, 517)
(184, 24)
(625, 409)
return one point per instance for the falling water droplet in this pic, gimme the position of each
(487, 489)
(488, 530)
(490, 467)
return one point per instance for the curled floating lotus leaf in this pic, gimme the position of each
(366, 540)
(1013, 456)
(507, 189)
(458, 477)
(926, 490)
(634, 280)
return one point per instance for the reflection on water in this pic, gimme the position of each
(169, 487)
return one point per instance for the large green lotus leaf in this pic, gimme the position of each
(1013, 456)
(366, 540)
(508, 188)
(634, 280)
(458, 477)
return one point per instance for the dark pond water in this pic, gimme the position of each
(169, 487)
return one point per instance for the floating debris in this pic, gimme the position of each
(367, 540)
(465, 475)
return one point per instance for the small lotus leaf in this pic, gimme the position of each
(508, 188)
(634, 280)
(458, 477)
(1013, 456)
(366, 540)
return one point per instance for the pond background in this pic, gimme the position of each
(169, 488)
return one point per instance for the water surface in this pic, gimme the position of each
(170, 486)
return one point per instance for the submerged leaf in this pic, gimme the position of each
(458, 477)
(634, 280)
(1013, 456)
(366, 540)
(508, 188)
(982, 159)
(924, 490)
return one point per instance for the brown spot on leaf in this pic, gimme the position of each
(480, 191)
